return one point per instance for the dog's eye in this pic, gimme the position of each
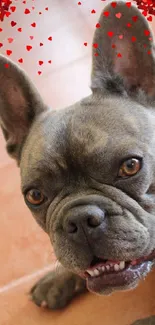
(35, 197)
(130, 167)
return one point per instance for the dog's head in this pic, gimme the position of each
(88, 171)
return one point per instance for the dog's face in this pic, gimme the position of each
(88, 171)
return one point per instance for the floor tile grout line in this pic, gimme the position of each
(26, 278)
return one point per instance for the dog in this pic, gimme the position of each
(88, 171)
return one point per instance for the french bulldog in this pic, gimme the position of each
(88, 171)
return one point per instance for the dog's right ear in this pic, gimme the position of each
(20, 104)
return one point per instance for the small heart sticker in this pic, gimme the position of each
(33, 24)
(13, 23)
(106, 13)
(27, 11)
(113, 4)
(110, 34)
(8, 52)
(95, 45)
(20, 60)
(118, 15)
(28, 47)
(10, 40)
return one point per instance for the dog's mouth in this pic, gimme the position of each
(106, 274)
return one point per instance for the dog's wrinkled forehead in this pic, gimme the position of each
(90, 128)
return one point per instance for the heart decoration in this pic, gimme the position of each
(118, 15)
(13, 23)
(27, 11)
(8, 52)
(10, 39)
(8, 8)
(20, 60)
(28, 47)
(106, 13)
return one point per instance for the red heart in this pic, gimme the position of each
(13, 8)
(40, 13)
(28, 47)
(39, 72)
(20, 29)
(95, 45)
(134, 18)
(113, 4)
(149, 52)
(119, 55)
(1, 44)
(50, 38)
(7, 13)
(6, 65)
(128, 4)
(118, 15)
(46, 8)
(85, 44)
(24, 1)
(96, 54)
(10, 40)
(49, 61)
(98, 25)
(41, 62)
(93, 11)
(41, 44)
(113, 46)
(144, 13)
(13, 23)
(1, 29)
(110, 34)
(33, 24)
(8, 52)
(106, 13)
(120, 36)
(149, 18)
(27, 11)
(31, 37)
(79, 3)
(133, 39)
(33, 8)
(20, 60)
(128, 25)
(146, 32)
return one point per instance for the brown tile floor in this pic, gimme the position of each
(24, 248)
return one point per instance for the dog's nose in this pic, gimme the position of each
(83, 220)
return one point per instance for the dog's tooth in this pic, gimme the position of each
(96, 272)
(90, 272)
(116, 267)
(122, 265)
(108, 267)
(103, 268)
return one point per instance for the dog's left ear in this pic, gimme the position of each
(123, 57)
(20, 104)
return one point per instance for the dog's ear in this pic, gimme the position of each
(20, 103)
(123, 58)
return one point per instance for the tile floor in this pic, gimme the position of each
(25, 251)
